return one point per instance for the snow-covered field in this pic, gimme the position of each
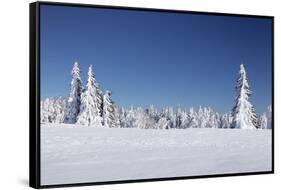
(71, 154)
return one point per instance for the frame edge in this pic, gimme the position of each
(34, 153)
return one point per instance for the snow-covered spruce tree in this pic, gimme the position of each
(91, 101)
(109, 119)
(74, 100)
(243, 112)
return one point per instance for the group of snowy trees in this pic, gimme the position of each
(168, 118)
(87, 106)
(83, 106)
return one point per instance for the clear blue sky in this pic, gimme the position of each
(165, 59)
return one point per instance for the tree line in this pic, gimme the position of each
(90, 107)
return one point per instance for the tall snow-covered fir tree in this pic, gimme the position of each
(243, 112)
(91, 102)
(74, 100)
(109, 119)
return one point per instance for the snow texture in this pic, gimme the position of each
(73, 154)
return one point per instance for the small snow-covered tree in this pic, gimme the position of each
(153, 113)
(213, 119)
(225, 120)
(128, 118)
(47, 110)
(243, 112)
(201, 117)
(169, 114)
(74, 100)
(143, 120)
(122, 115)
(109, 115)
(118, 116)
(263, 121)
(183, 119)
(173, 117)
(91, 101)
(53, 110)
(163, 123)
(194, 121)
(179, 117)
(269, 117)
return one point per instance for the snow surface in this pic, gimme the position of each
(72, 154)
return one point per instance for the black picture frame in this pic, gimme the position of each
(34, 94)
